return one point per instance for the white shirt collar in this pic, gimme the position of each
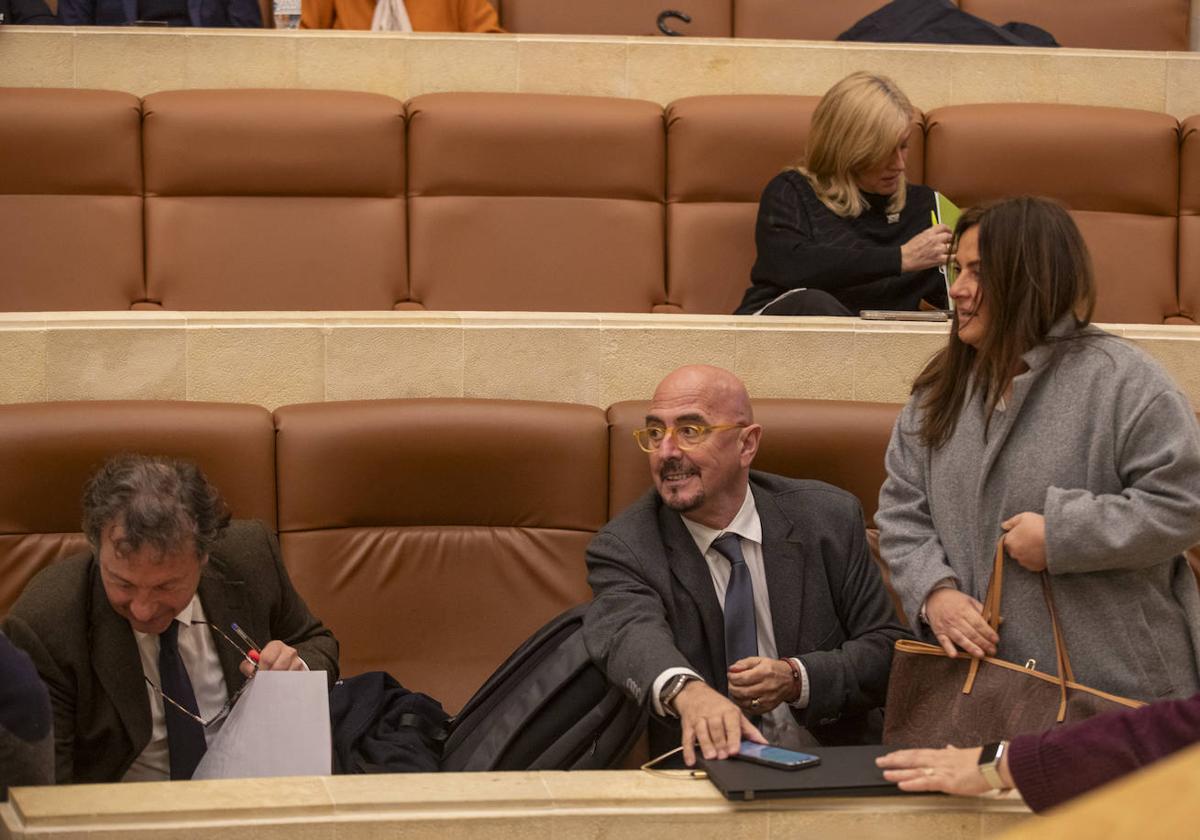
(192, 613)
(745, 524)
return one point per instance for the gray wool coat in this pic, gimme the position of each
(1098, 439)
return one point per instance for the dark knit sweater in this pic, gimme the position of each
(802, 244)
(1064, 762)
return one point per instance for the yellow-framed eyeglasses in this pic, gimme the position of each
(687, 435)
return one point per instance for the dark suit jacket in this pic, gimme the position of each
(88, 656)
(244, 13)
(655, 607)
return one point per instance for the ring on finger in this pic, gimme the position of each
(754, 703)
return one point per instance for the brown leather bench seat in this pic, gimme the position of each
(432, 535)
(294, 199)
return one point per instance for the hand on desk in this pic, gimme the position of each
(713, 721)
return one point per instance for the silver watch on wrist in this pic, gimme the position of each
(989, 763)
(671, 690)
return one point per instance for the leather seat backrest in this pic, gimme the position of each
(1116, 169)
(274, 199)
(70, 200)
(1189, 221)
(709, 18)
(1101, 24)
(536, 202)
(434, 535)
(49, 450)
(722, 151)
(838, 442)
(807, 20)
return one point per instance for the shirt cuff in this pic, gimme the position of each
(944, 583)
(659, 682)
(800, 702)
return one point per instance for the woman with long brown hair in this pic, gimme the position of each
(844, 231)
(1072, 444)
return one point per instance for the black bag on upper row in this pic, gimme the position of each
(546, 708)
(942, 22)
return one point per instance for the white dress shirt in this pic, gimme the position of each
(778, 726)
(199, 654)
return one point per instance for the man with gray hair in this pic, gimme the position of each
(146, 641)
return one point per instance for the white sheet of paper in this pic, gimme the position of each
(279, 727)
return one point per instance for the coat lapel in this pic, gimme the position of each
(690, 571)
(224, 602)
(784, 552)
(118, 665)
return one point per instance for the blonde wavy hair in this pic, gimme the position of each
(858, 122)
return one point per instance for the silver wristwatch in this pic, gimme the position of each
(989, 763)
(671, 690)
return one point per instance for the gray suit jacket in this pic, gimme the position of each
(655, 607)
(88, 657)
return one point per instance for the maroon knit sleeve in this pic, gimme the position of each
(1063, 762)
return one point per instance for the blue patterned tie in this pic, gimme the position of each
(741, 631)
(185, 736)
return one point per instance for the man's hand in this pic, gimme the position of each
(949, 770)
(1025, 540)
(713, 721)
(275, 656)
(957, 619)
(769, 681)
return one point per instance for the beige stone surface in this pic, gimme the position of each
(790, 362)
(242, 798)
(875, 824)
(440, 63)
(22, 365)
(886, 362)
(37, 56)
(267, 365)
(1004, 76)
(923, 74)
(634, 359)
(798, 68)
(1183, 83)
(543, 363)
(585, 67)
(423, 792)
(245, 59)
(1180, 356)
(115, 363)
(148, 62)
(663, 70)
(1119, 79)
(375, 63)
(382, 362)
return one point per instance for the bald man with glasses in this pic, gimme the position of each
(739, 604)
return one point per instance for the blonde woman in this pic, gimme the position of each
(844, 231)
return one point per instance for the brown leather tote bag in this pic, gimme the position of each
(934, 700)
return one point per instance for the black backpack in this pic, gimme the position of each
(546, 708)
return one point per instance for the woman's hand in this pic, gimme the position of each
(949, 770)
(927, 249)
(1025, 540)
(957, 619)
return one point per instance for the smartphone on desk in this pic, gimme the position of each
(776, 757)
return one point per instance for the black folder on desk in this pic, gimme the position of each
(843, 771)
